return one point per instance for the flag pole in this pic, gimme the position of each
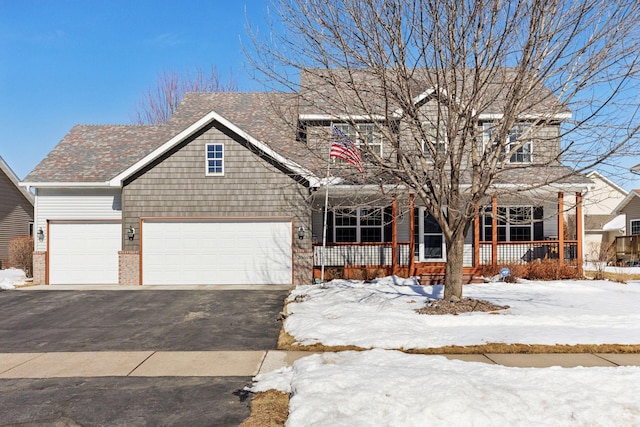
(324, 223)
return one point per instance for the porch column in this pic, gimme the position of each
(394, 236)
(412, 239)
(579, 229)
(476, 237)
(561, 227)
(494, 230)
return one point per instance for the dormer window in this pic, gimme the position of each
(436, 144)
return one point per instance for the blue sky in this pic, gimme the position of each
(66, 62)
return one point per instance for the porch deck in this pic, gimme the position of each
(369, 260)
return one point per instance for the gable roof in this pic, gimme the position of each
(625, 202)
(597, 175)
(4, 167)
(104, 155)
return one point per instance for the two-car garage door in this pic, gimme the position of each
(216, 252)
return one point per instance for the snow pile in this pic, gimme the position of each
(11, 277)
(389, 388)
(382, 314)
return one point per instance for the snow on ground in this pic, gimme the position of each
(11, 277)
(382, 314)
(389, 388)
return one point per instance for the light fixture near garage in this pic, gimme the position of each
(40, 234)
(131, 232)
(301, 232)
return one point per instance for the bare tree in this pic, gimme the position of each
(158, 104)
(543, 61)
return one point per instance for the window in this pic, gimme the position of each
(437, 138)
(363, 134)
(521, 154)
(359, 224)
(432, 245)
(515, 224)
(635, 226)
(31, 229)
(215, 159)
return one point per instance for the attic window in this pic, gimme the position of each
(215, 159)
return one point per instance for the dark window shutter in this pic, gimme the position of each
(416, 231)
(538, 225)
(388, 223)
(329, 226)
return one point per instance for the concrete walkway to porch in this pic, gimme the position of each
(238, 363)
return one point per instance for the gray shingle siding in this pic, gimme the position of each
(632, 210)
(177, 186)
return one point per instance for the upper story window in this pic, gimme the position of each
(521, 150)
(635, 226)
(215, 159)
(363, 135)
(436, 143)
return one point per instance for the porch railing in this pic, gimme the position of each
(628, 249)
(380, 254)
(515, 252)
(360, 254)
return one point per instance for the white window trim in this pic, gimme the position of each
(206, 155)
(358, 225)
(507, 226)
(631, 226)
(486, 128)
(421, 234)
(347, 128)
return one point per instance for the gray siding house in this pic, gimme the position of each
(231, 191)
(16, 211)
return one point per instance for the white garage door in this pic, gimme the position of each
(216, 252)
(84, 252)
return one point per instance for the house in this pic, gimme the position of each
(232, 191)
(628, 246)
(601, 224)
(16, 211)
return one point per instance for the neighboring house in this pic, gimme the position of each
(231, 192)
(628, 246)
(600, 222)
(16, 211)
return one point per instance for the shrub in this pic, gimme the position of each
(21, 254)
(546, 269)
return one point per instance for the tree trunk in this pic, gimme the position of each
(453, 277)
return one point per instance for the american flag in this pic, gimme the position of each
(343, 148)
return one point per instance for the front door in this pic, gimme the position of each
(430, 238)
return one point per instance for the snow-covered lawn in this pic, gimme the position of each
(389, 388)
(11, 277)
(382, 314)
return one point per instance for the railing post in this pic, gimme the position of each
(561, 227)
(476, 237)
(394, 236)
(494, 230)
(579, 230)
(412, 239)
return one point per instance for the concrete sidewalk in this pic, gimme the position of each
(238, 363)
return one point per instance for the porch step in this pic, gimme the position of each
(438, 278)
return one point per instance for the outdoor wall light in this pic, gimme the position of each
(131, 232)
(40, 234)
(301, 232)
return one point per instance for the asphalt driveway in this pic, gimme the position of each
(56, 320)
(130, 320)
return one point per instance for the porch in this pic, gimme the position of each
(367, 260)
(628, 250)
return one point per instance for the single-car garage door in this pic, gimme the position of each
(84, 252)
(216, 252)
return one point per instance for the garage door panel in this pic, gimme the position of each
(216, 252)
(84, 252)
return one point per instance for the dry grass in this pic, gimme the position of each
(287, 342)
(268, 409)
(615, 277)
